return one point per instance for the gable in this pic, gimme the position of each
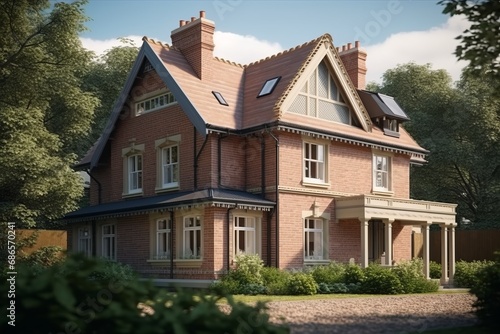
(323, 90)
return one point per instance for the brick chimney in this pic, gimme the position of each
(195, 39)
(354, 60)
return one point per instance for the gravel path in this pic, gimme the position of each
(384, 314)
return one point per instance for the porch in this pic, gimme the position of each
(368, 209)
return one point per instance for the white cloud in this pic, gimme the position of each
(101, 46)
(243, 49)
(434, 46)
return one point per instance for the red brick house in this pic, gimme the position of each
(287, 157)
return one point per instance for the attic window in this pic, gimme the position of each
(220, 98)
(147, 67)
(269, 86)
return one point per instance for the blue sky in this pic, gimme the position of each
(392, 31)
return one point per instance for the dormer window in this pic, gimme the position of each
(154, 103)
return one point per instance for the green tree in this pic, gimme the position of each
(460, 126)
(44, 110)
(105, 79)
(480, 44)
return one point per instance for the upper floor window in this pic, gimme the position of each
(314, 163)
(191, 238)
(170, 166)
(315, 239)
(108, 242)
(381, 172)
(320, 97)
(163, 239)
(135, 174)
(84, 242)
(154, 103)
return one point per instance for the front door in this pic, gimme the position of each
(376, 240)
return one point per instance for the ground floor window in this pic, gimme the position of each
(315, 239)
(85, 240)
(163, 239)
(245, 235)
(191, 238)
(108, 242)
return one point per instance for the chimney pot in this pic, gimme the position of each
(344, 47)
(193, 18)
(181, 23)
(202, 14)
(356, 43)
(349, 46)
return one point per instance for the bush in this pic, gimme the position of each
(248, 269)
(332, 273)
(302, 284)
(275, 280)
(487, 292)
(62, 299)
(380, 280)
(434, 270)
(412, 279)
(466, 273)
(353, 274)
(113, 271)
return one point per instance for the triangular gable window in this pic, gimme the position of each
(321, 98)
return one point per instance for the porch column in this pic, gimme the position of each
(451, 251)
(388, 241)
(444, 254)
(364, 243)
(425, 249)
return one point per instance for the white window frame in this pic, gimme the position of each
(167, 166)
(193, 233)
(319, 234)
(134, 171)
(163, 239)
(319, 164)
(84, 240)
(381, 173)
(108, 242)
(154, 103)
(248, 233)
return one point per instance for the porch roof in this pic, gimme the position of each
(178, 200)
(366, 207)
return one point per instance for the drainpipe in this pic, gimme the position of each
(276, 211)
(94, 236)
(99, 187)
(228, 236)
(263, 166)
(196, 157)
(219, 159)
(172, 244)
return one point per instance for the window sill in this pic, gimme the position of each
(166, 190)
(129, 195)
(181, 263)
(383, 192)
(316, 262)
(315, 184)
(158, 262)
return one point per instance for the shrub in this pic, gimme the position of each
(248, 269)
(253, 289)
(302, 284)
(411, 277)
(332, 273)
(434, 270)
(487, 292)
(275, 280)
(62, 299)
(380, 280)
(113, 271)
(352, 274)
(466, 273)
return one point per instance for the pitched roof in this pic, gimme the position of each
(240, 85)
(207, 197)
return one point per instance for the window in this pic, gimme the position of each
(170, 166)
(314, 239)
(269, 86)
(191, 238)
(320, 97)
(135, 174)
(381, 173)
(244, 235)
(220, 98)
(154, 103)
(108, 242)
(314, 163)
(163, 239)
(85, 241)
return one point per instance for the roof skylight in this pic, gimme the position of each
(269, 86)
(220, 98)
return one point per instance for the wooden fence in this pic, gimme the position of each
(470, 245)
(45, 238)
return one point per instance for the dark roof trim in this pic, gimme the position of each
(380, 105)
(206, 197)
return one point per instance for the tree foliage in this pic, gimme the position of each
(460, 126)
(44, 110)
(480, 44)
